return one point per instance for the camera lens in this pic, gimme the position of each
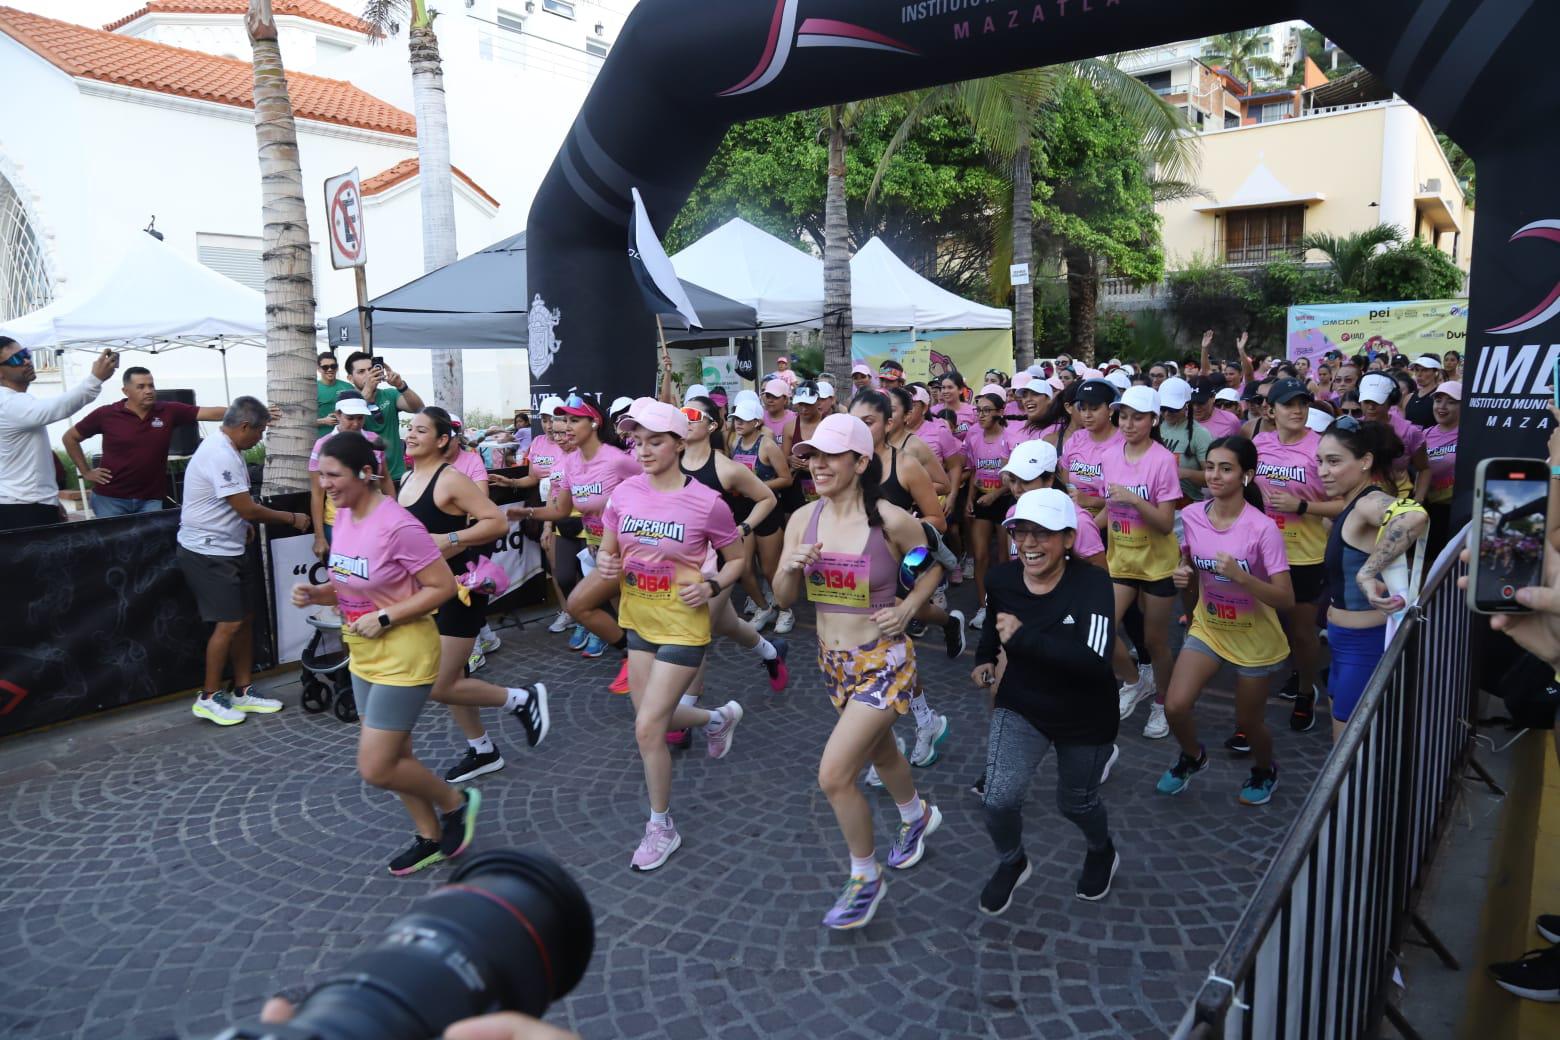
(511, 932)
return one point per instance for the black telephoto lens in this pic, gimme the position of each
(510, 932)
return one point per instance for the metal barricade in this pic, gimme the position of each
(1314, 952)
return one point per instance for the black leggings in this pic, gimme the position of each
(567, 569)
(1132, 623)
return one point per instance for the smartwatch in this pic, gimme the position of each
(745, 527)
(454, 537)
(1304, 505)
(384, 619)
(715, 589)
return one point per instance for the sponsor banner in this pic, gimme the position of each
(930, 354)
(1407, 327)
(720, 371)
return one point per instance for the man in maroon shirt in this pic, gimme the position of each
(132, 471)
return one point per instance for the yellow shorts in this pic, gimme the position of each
(881, 674)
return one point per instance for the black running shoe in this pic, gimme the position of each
(1238, 744)
(1291, 688)
(1303, 716)
(916, 628)
(997, 896)
(978, 788)
(459, 826)
(1533, 976)
(1099, 870)
(473, 764)
(533, 715)
(424, 852)
(1548, 926)
(953, 632)
(779, 674)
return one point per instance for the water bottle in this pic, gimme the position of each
(1395, 575)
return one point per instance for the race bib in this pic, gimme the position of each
(1126, 525)
(989, 480)
(840, 580)
(649, 581)
(546, 490)
(593, 528)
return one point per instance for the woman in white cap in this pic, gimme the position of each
(1053, 619)
(1034, 399)
(1441, 452)
(1084, 451)
(752, 448)
(986, 449)
(1143, 487)
(1379, 394)
(1224, 420)
(1419, 408)
(658, 528)
(805, 399)
(845, 551)
(1186, 438)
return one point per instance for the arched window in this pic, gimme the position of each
(24, 275)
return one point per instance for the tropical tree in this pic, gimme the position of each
(837, 321)
(1350, 256)
(1241, 53)
(436, 186)
(289, 271)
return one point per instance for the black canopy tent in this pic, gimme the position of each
(479, 303)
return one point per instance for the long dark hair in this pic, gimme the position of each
(442, 427)
(1245, 453)
(871, 481)
(1378, 440)
(876, 400)
(717, 436)
(353, 451)
(1057, 411)
(905, 398)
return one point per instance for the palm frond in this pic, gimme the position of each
(383, 15)
(925, 103)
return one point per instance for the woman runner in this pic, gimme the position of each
(1236, 552)
(388, 579)
(542, 458)
(901, 403)
(846, 550)
(987, 447)
(1441, 450)
(754, 450)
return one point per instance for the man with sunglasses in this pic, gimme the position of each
(29, 495)
(326, 390)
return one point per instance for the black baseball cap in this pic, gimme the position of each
(1204, 387)
(1096, 391)
(1287, 390)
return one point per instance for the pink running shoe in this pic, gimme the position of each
(679, 738)
(719, 742)
(779, 674)
(657, 846)
(620, 684)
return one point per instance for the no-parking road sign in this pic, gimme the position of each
(344, 214)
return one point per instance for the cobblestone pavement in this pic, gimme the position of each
(170, 879)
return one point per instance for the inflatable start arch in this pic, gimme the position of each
(684, 70)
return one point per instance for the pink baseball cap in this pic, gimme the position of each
(1451, 388)
(1021, 380)
(777, 388)
(836, 434)
(652, 416)
(860, 369)
(920, 393)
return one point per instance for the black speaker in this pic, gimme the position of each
(185, 438)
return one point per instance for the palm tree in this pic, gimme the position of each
(1350, 256)
(837, 320)
(289, 270)
(436, 186)
(1240, 53)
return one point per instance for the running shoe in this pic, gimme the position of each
(928, 739)
(1291, 688)
(1099, 870)
(247, 701)
(473, 764)
(620, 684)
(761, 617)
(1548, 925)
(1258, 788)
(423, 853)
(459, 826)
(1533, 976)
(578, 637)
(533, 715)
(978, 788)
(681, 739)
(488, 641)
(785, 620)
(1146, 679)
(916, 628)
(1130, 695)
(873, 780)
(718, 743)
(1115, 753)
(657, 846)
(979, 620)
(218, 708)
(1179, 775)
(560, 623)
(968, 569)
(476, 660)
(1302, 717)
(953, 632)
(594, 647)
(1238, 743)
(857, 903)
(910, 845)
(1157, 725)
(779, 674)
(997, 896)
(956, 576)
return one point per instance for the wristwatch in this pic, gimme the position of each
(1302, 507)
(715, 589)
(745, 527)
(384, 619)
(454, 538)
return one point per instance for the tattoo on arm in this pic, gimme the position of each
(1394, 542)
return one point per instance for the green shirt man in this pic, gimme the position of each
(390, 400)
(326, 390)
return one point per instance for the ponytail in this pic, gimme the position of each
(871, 481)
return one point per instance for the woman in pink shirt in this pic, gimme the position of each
(1084, 453)
(1441, 450)
(951, 387)
(986, 450)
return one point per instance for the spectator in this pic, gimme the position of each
(523, 432)
(326, 390)
(384, 402)
(29, 494)
(350, 415)
(1451, 366)
(782, 370)
(1419, 401)
(132, 471)
(860, 377)
(225, 580)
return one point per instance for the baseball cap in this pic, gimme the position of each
(805, 393)
(652, 416)
(718, 395)
(1096, 391)
(1031, 459)
(1035, 386)
(620, 405)
(1203, 389)
(1451, 388)
(550, 405)
(782, 360)
(920, 393)
(1287, 390)
(1174, 393)
(1227, 394)
(1022, 379)
(350, 402)
(1139, 398)
(1377, 388)
(696, 390)
(825, 389)
(455, 421)
(996, 390)
(836, 434)
(578, 406)
(1318, 420)
(747, 409)
(1429, 361)
(1119, 379)
(1048, 508)
(777, 388)
(860, 369)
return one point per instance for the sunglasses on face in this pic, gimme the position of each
(1356, 412)
(697, 415)
(20, 358)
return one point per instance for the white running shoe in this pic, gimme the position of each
(764, 616)
(1146, 679)
(1157, 726)
(979, 620)
(562, 623)
(784, 622)
(488, 641)
(927, 741)
(476, 660)
(873, 779)
(217, 708)
(1115, 753)
(259, 705)
(969, 568)
(719, 742)
(1131, 695)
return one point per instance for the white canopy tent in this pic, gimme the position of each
(150, 299)
(885, 293)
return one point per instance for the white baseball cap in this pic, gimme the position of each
(1174, 393)
(696, 390)
(806, 393)
(860, 369)
(1227, 394)
(549, 405)
(353, 405)
(1139, 398)
(1377, 388)
(1048, 508)
(1429, 361)
(825, 389)
(620, 405)
(1031, 459)
(1318, 420)
(1119, 379)
(747, 408)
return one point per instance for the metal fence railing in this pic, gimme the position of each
(1314, 952)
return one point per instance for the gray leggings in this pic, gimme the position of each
(1015, 751)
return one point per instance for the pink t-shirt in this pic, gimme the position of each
(1229, 619)
(373, 566)
(967, 420)
(1087, 543)
(1412, 436)
(1222, 423)
(1291, 468)
(777, 425)
(592, 481)
(1137, 551)
(940, 439)
(470, 463)
(372, 438)
(1023, 433)
(986, 458)
(1441, 447)
(1083, 458)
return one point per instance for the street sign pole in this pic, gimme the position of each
(365, 318)
(349, 244)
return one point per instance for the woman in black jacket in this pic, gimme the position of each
(1053, 616)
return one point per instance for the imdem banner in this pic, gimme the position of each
(1410, 328)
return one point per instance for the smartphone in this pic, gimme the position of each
(378, 362)
(1511, 524)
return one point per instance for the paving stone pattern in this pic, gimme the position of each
(171, 884)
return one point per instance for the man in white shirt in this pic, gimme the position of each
(213, 531)
(29, 496)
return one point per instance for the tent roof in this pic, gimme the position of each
(782, 284)
(149, 296)
(479, 303)
(887, 294)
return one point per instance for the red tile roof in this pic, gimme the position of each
(144, 64)
(313, 10)
(405, 170)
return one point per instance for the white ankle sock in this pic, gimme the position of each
(766, 649)
(661, 817)
(866, 868)
(911, 811)
(486, 633)
(717, 720)
(483, 745)
(924, 715)
(690, 699)
(516, 697)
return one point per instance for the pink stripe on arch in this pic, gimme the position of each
(769, 49)
(833, 27)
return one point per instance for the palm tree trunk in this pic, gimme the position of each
(1023, 252)
(289, 272)
(837, 323)
(1083, 290)
(436, 187)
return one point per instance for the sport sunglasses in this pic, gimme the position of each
(20, 358)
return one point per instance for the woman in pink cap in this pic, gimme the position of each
(845, 551)
(783, 370)
(659, 529)
(986, 449)
(1441, 450)
(936, 436)
(778, 418)
(753, 448)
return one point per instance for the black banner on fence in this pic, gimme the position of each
(97, 615)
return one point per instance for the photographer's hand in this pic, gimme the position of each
(503, 1026)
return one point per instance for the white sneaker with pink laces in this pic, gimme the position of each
(719, 739)
(657, 846)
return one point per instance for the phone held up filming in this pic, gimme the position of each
(1506, 538)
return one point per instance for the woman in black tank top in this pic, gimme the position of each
(753, 448)
(446, 502)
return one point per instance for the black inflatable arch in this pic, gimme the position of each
(683, 71)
